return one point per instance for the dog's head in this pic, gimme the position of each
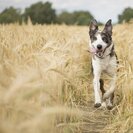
(100, 40)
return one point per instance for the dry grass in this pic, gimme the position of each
(122, 121)
(45, 82)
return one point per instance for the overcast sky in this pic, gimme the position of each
(102, 10)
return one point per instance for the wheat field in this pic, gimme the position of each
(46, 81)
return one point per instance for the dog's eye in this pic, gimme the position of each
(105, 39)
(94, 38)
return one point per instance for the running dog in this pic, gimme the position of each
(104, 59)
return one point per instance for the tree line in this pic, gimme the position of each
(44, 13)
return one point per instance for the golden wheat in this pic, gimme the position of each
(46, 84)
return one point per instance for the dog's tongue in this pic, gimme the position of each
(93, 50)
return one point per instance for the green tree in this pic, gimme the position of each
(10, 15)
(126, 15)
(77, 17)
(65, 17)
(40, 13)
(82, 17)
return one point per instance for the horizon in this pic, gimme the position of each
(111, 8)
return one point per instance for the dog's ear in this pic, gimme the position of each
(93, 28)
(108, 27)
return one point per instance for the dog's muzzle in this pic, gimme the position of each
(97, 52)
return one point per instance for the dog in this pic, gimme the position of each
(104, 59)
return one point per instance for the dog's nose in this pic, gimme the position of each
(99, 46)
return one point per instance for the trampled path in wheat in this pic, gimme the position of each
(95, 120)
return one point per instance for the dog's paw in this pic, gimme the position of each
(97, 105)
(109, 107)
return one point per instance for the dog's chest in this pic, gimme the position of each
(107, 65)
(104, 64)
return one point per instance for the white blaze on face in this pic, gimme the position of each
(98, 41)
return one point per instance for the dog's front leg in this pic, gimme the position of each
(109, 95)
(96, 84)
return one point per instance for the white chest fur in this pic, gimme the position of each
(108, 65)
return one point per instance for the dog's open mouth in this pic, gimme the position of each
(99, 53)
